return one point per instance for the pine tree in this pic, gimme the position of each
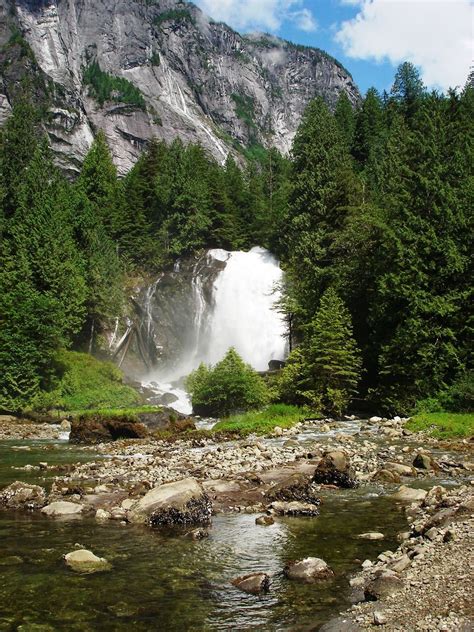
(345, 118)
(408, 88)
(368, 128)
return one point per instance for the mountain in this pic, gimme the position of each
(156, 68)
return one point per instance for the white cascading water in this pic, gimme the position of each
(243, 316)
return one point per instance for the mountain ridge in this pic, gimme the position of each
(159, 69)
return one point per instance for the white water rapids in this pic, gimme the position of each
(242, 315)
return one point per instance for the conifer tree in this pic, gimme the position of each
(345, 118)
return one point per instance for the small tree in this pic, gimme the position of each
(228, 387)
(334, 362)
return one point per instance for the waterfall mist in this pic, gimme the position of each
(234, 308)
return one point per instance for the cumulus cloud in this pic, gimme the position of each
(435, 35)
(260, 14)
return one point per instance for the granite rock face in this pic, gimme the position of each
(200, 80)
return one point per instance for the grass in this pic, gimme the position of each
(262, 421)
(87, 383)
(128, 414)
(444, 425)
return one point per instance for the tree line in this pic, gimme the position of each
(371, 217)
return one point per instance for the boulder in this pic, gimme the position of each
(264, 521)
(387, 583)
(98, 429)
(372, 535)
(386, 476)
(65, 425)
(221, 486)
(255, 583)
(400, 564)
(62, 508)
(180, 503)
(423, 462)
(334, 469)
(434, 496)
(375, 420)
(309, 570)
(400, 469)
(409, 494)
(83, 561)
(294, 508)
(20, 495)
(297, 486)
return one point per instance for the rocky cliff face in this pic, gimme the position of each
(192, 78)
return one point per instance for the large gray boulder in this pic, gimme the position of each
(20, 495)
(84, 561)
(334, 469)
(387, 583)
(308, 570)
(61, 508)
(409, 494)
(181, 503)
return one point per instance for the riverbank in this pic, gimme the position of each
(12, 428)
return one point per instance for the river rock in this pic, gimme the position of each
(298, 486)
(400, 469)
(65, 425)
(221, 486)
(255, 583)
(97, 429)
(434, 496)
(62, 508)
(294, 508)
(20, 495)
(334, 469)
(372, 535)
(423, 462)
(83, 561)
(180, 503)
(264, 521)
(386, 476)
(388, 583)
(400, 564)
(409, 494)
(309, 570)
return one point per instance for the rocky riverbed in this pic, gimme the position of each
(189, 482)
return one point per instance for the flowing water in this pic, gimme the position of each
(240, 312)
(166, 582)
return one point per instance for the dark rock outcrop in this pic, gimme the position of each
(297, 486)
(334, 469)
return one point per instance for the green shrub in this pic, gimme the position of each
(264, 421)
(228, 387)
(174, 15)
(443, 425)
(457, 398)
(104, 87)
(88, 383)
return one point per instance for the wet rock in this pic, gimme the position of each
(386, 476)
(84, 561)
(372, 535)
(400, 564)
(20, 495)
(388, 583)
(379, 618)
(255, 583)
(434, 496)
(400, 469)
(197, 534)
(180, 503)
(102, 515)
(221, 486)
(11, 560)
(65, 425)
(409, 494)
(62, 508)
(423, 462)
(334, 469)
(98, 429)
(308, 570)
(264, 521)
(294, 508)
(375, 420)
(297, 486)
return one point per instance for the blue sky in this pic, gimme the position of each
(370, 37)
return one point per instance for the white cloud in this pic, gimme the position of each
(260, 14)
(435, 35)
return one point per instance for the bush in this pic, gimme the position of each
(231, 386)
(264, 421)
(457, 398)
(105, 87)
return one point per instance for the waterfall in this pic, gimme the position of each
(238, 311)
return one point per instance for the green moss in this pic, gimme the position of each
(88, 383)
(264, 421)
(443, 425)
(174, 15)
(104, 87)
(126, 414)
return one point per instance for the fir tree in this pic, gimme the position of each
(345, 118)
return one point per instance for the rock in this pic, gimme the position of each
(401, 564)
(386, 476)
(432, 533)
(255, 583)
(375, 420)
(99, 429)
(62, 508)
(423, 462)
(83, 561)
(102, 515)
(277, 431)
(372, 535)
(298, 486)
(367, 564)
(180, 503)
(197, 534)
(308, 570)
(400, 469)
(409, 494)
(294, 508)
(221, 487)
(379, 618)
(334, 469)
(434, 496)
(65, 425)
(388, 583)
(20, 495)
(264, 521)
